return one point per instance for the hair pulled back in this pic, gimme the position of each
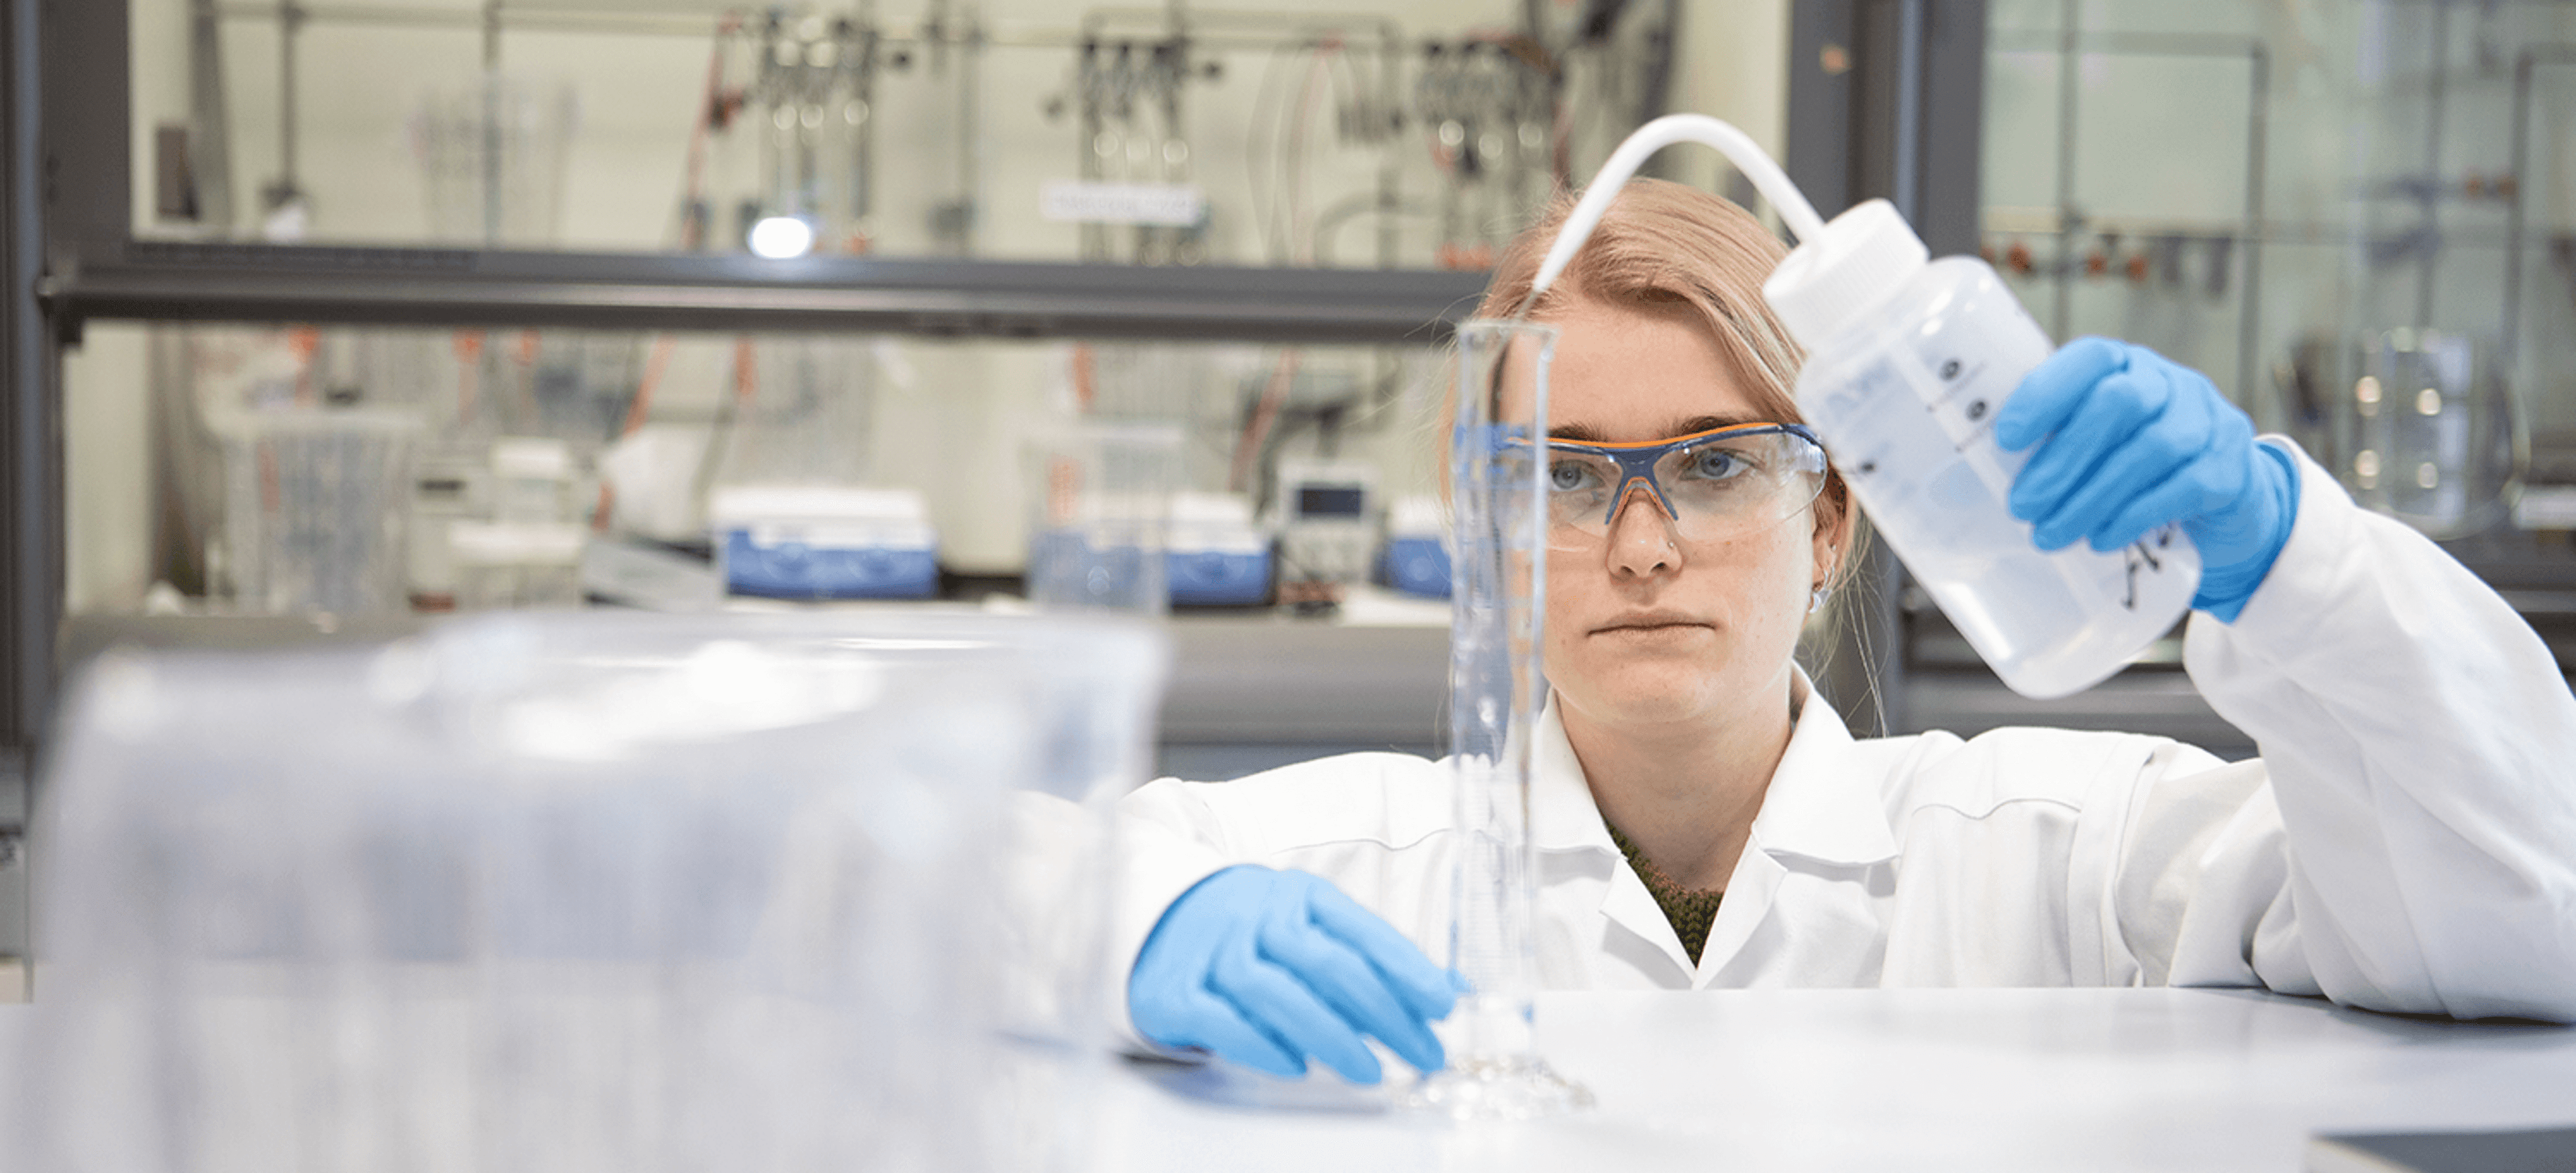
(1666, 245)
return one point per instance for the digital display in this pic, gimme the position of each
(1330, 500)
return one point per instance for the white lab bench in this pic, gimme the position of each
(2106, 1081)
(1922, 1080)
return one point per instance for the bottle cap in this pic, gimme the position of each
(1830, 280)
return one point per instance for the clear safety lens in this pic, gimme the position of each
(1712, 489)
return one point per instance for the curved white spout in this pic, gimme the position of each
(1739, 149)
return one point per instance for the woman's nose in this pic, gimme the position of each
(1642, 541)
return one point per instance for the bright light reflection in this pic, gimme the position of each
(781, 237)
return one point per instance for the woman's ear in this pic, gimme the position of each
(1834, 522)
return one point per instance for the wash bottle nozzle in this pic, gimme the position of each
(1837, 270)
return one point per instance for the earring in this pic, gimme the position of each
(1816, 600)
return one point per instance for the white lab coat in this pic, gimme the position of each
(2406, 842)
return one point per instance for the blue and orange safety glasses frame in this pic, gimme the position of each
(1637, 460)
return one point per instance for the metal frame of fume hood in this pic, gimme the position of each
(1903, 118)
(30, 453)
(172, 281)
(97, 269)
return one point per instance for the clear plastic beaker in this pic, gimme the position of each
(2430, 432)
(1101, 509)
(316, 501)
(1497, 691)
(493, 153)
(572, 891)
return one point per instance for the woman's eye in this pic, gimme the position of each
(1567, 476)
(1716, 464)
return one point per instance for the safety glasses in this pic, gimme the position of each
(1714, 485)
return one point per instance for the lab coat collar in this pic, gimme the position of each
(1818, 807)
(1563, 816)
(1821, 805)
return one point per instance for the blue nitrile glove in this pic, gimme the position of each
(1268, 967)
(2133, 441)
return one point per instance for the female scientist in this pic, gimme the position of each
(2406, 842)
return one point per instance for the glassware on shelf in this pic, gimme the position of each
(1496, 694)
(493, 152)
(316, 501)
(1099, 527)
(2430, 434)
(802, 412)
(793, 513)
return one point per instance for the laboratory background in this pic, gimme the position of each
(341, 322)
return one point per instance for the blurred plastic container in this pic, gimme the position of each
(316, 504)
(654, 476)
(575, 892)
(503, 564)
(1910, 361)
(528, 552)
(532, 479)
(1104, 498)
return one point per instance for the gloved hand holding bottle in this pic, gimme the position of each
(1267, 968)
(2130, 440)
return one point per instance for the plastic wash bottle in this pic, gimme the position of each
(1908, 361)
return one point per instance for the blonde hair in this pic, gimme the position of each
(1667, 245)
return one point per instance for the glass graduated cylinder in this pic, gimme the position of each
(1497, 693)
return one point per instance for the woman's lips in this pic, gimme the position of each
(1650, 623)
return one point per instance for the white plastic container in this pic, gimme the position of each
(532, 479)
(1909, 362)
(516, 563)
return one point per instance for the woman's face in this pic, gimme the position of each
(1645, 627)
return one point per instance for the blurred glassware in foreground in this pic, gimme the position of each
(578, 892)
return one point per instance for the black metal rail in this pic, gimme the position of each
(176, 281)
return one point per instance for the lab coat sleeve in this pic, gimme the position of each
(1168, 841)
(2408, 840)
